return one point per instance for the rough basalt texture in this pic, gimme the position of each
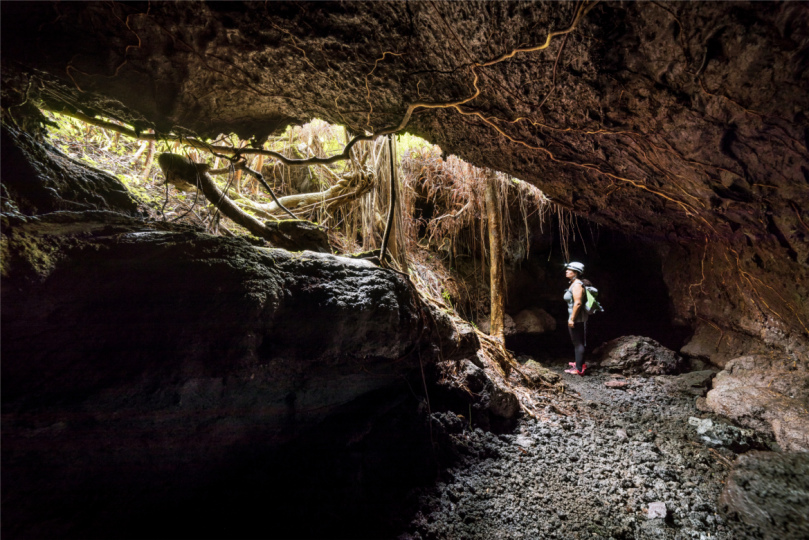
(187, 293)
(767, 393)
(684, 124)
(770, 493)
(595, 472)
(153, 372)
(139, 363)
(713, 344)
(38, 178)
(638, 354)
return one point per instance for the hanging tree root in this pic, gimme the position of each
(581, 11)
(345, 154)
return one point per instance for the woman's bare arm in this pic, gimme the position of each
(578, 294)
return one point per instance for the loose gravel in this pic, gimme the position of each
(590, 467)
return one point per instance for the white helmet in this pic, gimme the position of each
(576, 267)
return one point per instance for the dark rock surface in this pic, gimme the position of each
(684, 124)
(153, 373)
(719, 434)
(693, 382)
(144, 361)
(638, 354)
(495, 405)
(590, 467)
(38, 178)
(719, 346)
(536, 372)
(769, 492)
(352, 310)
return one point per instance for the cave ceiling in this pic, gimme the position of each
(671, 120)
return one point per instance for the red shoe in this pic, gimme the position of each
(574, 371)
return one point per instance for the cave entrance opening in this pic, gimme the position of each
(442, 220)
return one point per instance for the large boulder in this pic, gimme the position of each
(143, 362)
(537, 373)
(509, 328)
(766, 392)
(769, 492)
(474, 384)
(534, 320)
(637, 354)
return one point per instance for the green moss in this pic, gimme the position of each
(28, 254)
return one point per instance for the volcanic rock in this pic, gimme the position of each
(146, 358)
(657, 510)
(636, 354)
(694, 382)
(534, 321)
(769, 492)
(537, 373)
(38, 178)
(718, 346)
(494, 397)
(767, 393)
(721, 434)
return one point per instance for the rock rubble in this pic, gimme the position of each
(620, 464)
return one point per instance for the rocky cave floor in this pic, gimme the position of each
(591, 467)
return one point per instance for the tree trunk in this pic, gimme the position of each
(389, 238)
(259, 167)
(496, 270)
(147, 167)
(238, 182)
(288, 234)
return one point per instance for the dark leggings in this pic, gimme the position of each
(578, 334)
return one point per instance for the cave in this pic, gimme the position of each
(632, 291)
(164, 378)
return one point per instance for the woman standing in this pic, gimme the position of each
(577, 316)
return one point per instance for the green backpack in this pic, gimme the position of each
(591, 305)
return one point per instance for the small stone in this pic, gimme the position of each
(702, 405)
(616, 384)
(621, 434)
(524, 441)
(703, 425)
(656, 510)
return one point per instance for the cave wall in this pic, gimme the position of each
(153, 373)
(683, 124)
(144, 364)
(37, 179)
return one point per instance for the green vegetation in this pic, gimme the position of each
(439, 218)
